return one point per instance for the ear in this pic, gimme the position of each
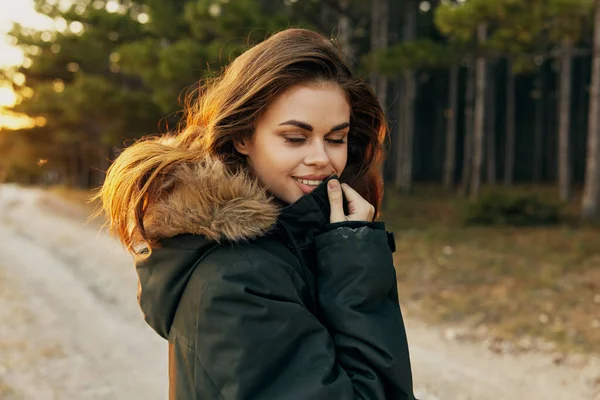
(241, 146)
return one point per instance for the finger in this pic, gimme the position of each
(359, 208)
(351, 194)
(334, 192)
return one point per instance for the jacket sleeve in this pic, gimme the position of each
(358, 298)
(256, 340)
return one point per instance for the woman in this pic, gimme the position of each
(266, 283)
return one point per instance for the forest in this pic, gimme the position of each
(478, 93)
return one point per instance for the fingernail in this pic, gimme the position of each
(333, 184)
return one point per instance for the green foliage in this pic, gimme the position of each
(115, 78)
(210, 35)
(501, 208)
(567, 18)
(524, 30)
(422, 53)
(16, 160)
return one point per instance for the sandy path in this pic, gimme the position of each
(71, 328)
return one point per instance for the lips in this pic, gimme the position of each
(310, 182)
(306, 188)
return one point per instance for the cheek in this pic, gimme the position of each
(271, 163)
(339, 158)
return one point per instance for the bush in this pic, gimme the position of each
(497, 208)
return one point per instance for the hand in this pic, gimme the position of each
(359, 208)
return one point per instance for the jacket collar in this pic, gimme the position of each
(206, 199)
(307, 217)
(202, 205)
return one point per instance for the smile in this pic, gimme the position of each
(307, 185)
(309, 182)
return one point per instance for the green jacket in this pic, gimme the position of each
(260, 301)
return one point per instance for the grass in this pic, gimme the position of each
(514, 282)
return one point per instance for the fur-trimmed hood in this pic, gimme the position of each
(200, 204)
(206, 199)
(201, 207)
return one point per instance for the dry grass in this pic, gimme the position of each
(514, 282)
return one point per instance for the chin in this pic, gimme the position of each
(287, 192)
(291, 196)
(287, 197)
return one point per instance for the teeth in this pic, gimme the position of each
(309, 182)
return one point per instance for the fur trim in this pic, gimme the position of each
(206, 199)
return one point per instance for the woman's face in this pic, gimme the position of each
(301, 139)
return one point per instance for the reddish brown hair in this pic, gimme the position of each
(226, 109)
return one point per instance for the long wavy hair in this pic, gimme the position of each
(225, 109)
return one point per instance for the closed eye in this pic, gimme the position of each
(298, 140)
(295, 140)
(336, 141)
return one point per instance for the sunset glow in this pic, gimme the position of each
(14, 121)
(8, 98)
(22, 12)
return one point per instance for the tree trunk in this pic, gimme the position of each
(408, 131)
(104, 156)
(479, 118)
(400, 139)
(509, 151)
(564, 162)
(578, 162)
(64, 160)
(345, 31)
(591, 192)
(73, 166)
(450, 158)
(375, 15)
(379, 41)
(490, 138)
(84, 163)
(404, 176)
(468, 140)
(437, 164)
(550, 139)
(538, 130)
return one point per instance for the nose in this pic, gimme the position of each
(317, 155)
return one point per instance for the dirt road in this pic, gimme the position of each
(71, 328)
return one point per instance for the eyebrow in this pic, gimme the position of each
(309, 127)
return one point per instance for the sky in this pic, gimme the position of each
(21, 11)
